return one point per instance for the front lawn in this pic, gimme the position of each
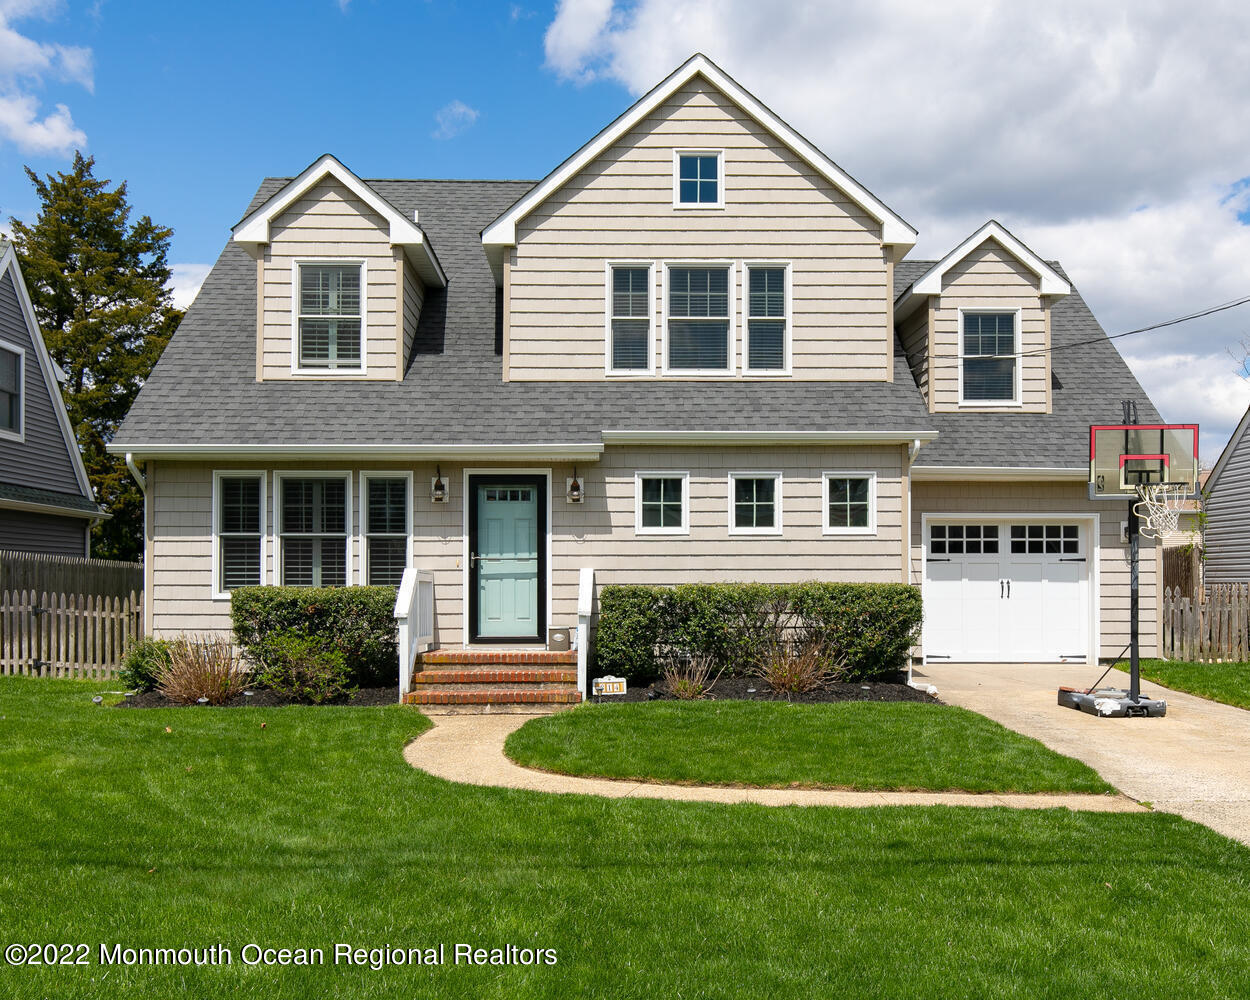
(1226, 682)
(313, 830)
(856, 744)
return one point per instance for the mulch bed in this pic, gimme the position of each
(754, 689)
(264, 699)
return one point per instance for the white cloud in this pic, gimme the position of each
(24, 65)
(454, 119)
(1109, 136)
(187, 279)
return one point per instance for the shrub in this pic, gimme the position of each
(797, 666)
(203, 667)
(863, 629)
(300, 668)
(686, 675)
(358, 622)
(143, 662)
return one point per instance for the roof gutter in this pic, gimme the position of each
(991, 473)
(48, 508)
(767, 437)
(557, 451)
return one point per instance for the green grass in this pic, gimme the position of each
(858, 744)
(313, 831)
(1226, 682)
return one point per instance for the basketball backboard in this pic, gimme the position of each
(1123, 457)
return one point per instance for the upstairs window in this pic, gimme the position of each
(330, 316)
(989, 362)
(698, 319)
(11, 391)
(767, 319)
(630, 308)
(314, 532)
(698, 183)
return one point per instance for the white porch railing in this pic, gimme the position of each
(414, 613)
(585, 608)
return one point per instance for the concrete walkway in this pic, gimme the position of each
(1195, 761)
(469, 749)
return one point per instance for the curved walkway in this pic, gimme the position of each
(469, 749)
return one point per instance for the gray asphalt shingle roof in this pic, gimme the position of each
(203, 391)
(48, 498)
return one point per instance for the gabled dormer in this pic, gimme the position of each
(698, 236)
(976, 326)
(341, 276)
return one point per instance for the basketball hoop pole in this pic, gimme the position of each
(1134, 691)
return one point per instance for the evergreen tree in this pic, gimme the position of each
(100, 287)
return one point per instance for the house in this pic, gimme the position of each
(46, 502)
(695, 351)
(1225, 495)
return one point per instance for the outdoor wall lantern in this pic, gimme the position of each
(573, 490)
(438, 486)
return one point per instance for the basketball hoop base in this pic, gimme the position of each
(1112, 703)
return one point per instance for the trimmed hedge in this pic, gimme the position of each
(868, 627)
(357, 622)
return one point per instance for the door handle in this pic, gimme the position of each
(1009, 590)
(1001, 584)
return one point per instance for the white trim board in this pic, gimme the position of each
(894, 231)
(339, 449)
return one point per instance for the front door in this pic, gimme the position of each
(507, 558)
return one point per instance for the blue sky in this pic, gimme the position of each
(1109, 136)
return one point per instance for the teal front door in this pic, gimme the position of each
(507, 558)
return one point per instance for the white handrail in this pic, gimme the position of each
(414, 615)
(585, 609)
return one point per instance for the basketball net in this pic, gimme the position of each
(1160, 507)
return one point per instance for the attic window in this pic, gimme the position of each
(990, 363)
(698, 182)
(10, 391)
(330, 314)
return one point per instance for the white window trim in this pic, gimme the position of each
(777, 503)
(825, 528)
(686, 206)
(362, 534)
(1019, 338)
(218, 475)
(20, 434)
(731, 334)
(607, 319)
(352, 575)
(684, 529)
(331, 373)
(746, 318)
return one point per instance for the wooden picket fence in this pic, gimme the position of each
(1210, 626)
(66, 635)
(68, 574)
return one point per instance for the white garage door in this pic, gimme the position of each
(1007, 591)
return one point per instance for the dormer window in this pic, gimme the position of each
(989, 364)
(698, 180)
(330, 316)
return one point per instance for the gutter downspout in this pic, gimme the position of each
(138, 476)
(912, 450)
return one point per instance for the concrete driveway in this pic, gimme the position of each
(1195, 761)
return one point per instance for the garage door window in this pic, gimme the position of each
(963, 539)
(1046, 539)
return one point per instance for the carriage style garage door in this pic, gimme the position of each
(1007, 591)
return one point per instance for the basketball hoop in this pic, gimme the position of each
(1160, 507)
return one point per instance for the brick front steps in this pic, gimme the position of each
(494, 680)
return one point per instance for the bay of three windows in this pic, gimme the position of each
(313, 529)
(699, 313)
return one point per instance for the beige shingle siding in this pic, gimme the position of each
(329, 223)
(914, 335)
(776, 208)
(991, 279)
(414, 299)
(1060, 498)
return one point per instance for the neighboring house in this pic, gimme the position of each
(1189, 524)
(46, 503)
(698, 322)
(1227, 498)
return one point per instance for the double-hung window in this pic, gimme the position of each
(755, 503)
(989, 361)
(850, 501)
(630, 318)
(698, 182)
(767, 318)
(11, 362)
(239, 513)
(662, 503)
(386, 514)
(313, 519)
(330, 315)
(698, 319)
